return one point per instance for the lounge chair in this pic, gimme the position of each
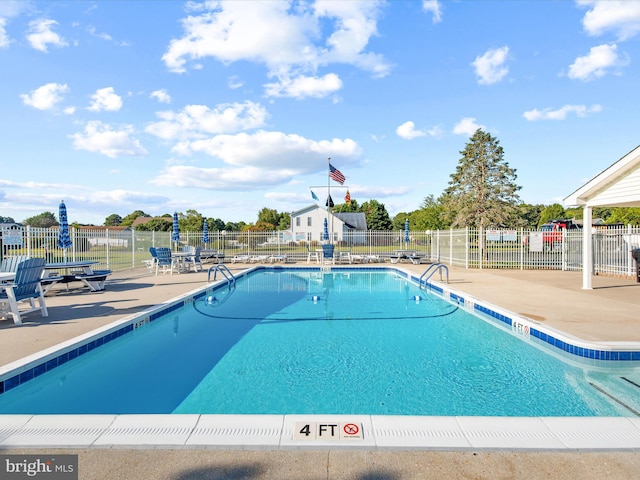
(240, 259)
(26, 286)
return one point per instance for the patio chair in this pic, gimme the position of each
(26, 286)
(327, 253)
(194, 259)
(164, 260)
(150, 264)
(312, 254)
(10, 264)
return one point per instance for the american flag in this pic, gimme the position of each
(336, 174)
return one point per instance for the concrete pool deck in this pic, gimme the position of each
(608, 313)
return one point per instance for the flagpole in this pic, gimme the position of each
(329, 196)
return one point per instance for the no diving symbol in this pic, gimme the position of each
(351, 429)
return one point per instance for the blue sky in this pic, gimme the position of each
(229, 107)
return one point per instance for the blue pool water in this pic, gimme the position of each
(339, 342)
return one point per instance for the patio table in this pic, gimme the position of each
(75, 271)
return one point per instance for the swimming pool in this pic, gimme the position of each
(346, 341)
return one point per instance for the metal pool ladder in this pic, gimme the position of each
(433, 268)
(224, 271)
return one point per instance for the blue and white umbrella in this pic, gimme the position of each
(64, 240)
(325, 231)
(406, 231)
(175, 234)
(205, 232)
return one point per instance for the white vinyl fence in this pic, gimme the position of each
(118, 249)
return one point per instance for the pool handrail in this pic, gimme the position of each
(224, 271)
(433, 268)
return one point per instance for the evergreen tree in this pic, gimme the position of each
(376, 215)
(482, 192)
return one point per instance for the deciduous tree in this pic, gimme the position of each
(43, 220)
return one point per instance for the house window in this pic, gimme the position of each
(297, 221)
(308, 221)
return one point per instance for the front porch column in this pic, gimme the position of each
(587, 248)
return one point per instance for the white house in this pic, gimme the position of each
(308, 225)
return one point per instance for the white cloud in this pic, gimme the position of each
(221, 178)
(302, 86)
(561, 113)
(41, 34)
(408, 131)
(619, 16)
(597, 63)
(490, 66)
(94, 33)
(260, 160)
(434, 7)
(13, 8)
(161, 95)
(45, 97)
(105, 99)
(196, 121)
(290, 42)
(263, 148)
(234, 82)
(101, 138)
(467, 126)
(10, 9)
(4, 38)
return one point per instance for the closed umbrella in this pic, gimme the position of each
(205, 232)
(406, 233)
(64, 241)
(325, 231)
(175, 234)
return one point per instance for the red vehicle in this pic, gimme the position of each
(552, 231)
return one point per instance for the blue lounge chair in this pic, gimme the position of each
(26, 286)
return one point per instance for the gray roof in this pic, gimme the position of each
(354, 220)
